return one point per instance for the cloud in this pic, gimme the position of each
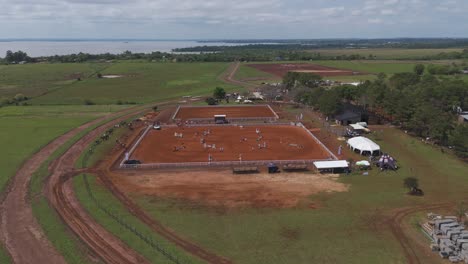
(212, 18)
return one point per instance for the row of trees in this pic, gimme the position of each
(420, 103)
(228, 54)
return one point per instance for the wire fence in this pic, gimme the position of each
(145, 238)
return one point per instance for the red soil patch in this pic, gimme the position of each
(281, 69)
(258, 111)
(221, 188)
(282, 143)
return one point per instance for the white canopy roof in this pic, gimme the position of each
(363, 144)
(331, 164)
(357, 127)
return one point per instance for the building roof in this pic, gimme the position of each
(347, 115)
(333, 164)
(363, 144)
(357, 127)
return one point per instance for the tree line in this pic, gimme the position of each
(227, 54)
(418, 102)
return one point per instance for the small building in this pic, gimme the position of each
(332, 166)
(348, 117)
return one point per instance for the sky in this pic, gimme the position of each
(234, 19)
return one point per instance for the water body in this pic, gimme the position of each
(37, 48)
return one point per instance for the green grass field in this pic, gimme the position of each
(142, 83)
(36, 79)
(22, 133)
(386, 53)
(348, 228)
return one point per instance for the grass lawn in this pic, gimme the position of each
(36, 79)
(4, 257)
(23, 134)
(348, 228)
(142, 82)
(386, 53)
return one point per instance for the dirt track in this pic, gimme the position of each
(228, 77)
(59, 191)
(20, 231)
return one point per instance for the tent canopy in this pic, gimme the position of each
(363, 144)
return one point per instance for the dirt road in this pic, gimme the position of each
(59, 191)
(20, 232)
(228, 77)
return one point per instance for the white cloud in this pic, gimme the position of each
(216, 17)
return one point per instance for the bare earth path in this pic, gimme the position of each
(228, 77)
(59, 191)
(20, 232)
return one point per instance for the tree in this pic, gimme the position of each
(219, 93)
(404, 79)
(411, 183)
(155, 108)
(211, 101)
(329, 103)
(459, 140)
(419, 69)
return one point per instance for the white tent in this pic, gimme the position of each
(363, 144)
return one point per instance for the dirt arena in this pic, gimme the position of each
(221, 188)
(258, 111)
(281, 69)
(227, 143)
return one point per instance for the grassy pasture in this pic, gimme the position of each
(386, 53)
(348, 227)
(142, 83)
(21, 134)
(36, 79)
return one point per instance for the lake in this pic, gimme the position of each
(39, 48)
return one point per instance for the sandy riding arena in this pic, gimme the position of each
(231, 112)
(281, 69)
(228, 143)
